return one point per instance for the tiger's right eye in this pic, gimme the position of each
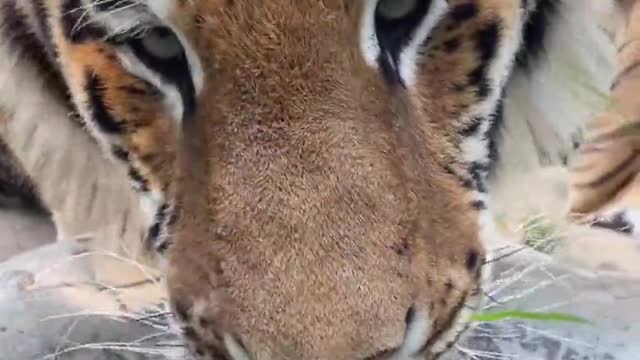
(395, 9)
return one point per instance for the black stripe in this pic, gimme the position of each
(466, 182)
(42, 15)
(533, 38)
(494, 134)
(479, 171)
(613, 173)
(472, 128)
(95, 87)
(23, 39)
(624, 73)
(139, 180)
(164, 216)
(487, 41)
(445, 327)
(616, 223)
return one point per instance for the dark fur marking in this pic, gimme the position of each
(181, 310)
(478, 79)
(22, 38)
(445, 326)
(451, 45)
(615, 171)
(410, 315)
(95, 87)
(463, 12)
(487, 41)
(139, 180)
(163, 217)
(616, 223)
(493, 134)
(448, 286)
(393, 36)
(535, 31)
(473, 260)
(479, 205)
(120, 153)
(478, 172)
(134, 90)
(467, 183)
(472, 128)
(189, 333)
(154, 231)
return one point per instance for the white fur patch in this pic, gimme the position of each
(368, 38)
(416, 335)
(235, 350)
(162, 8)
(409, 56)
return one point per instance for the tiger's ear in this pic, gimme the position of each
(133, 78)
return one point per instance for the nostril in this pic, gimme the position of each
(473, 260)
(410, 316)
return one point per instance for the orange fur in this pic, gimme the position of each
(317, 205)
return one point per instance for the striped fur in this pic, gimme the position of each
(604, 179)
(96, 123)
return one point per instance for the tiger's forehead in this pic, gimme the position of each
(282, 20)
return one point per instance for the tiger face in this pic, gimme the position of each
(314, 170)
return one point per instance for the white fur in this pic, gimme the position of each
(162, 8)
(195, 66)
(416, 335)
(235, 350)
(368, 39)
(543, 109)
(409, 55)
(632, 216)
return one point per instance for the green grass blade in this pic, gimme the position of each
(504, 315)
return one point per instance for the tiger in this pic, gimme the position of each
(605, 177)
(312, 178)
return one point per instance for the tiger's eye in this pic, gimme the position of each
(395, 9)
(162, 43)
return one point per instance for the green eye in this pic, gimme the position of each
(395, 9)
(162, 43)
